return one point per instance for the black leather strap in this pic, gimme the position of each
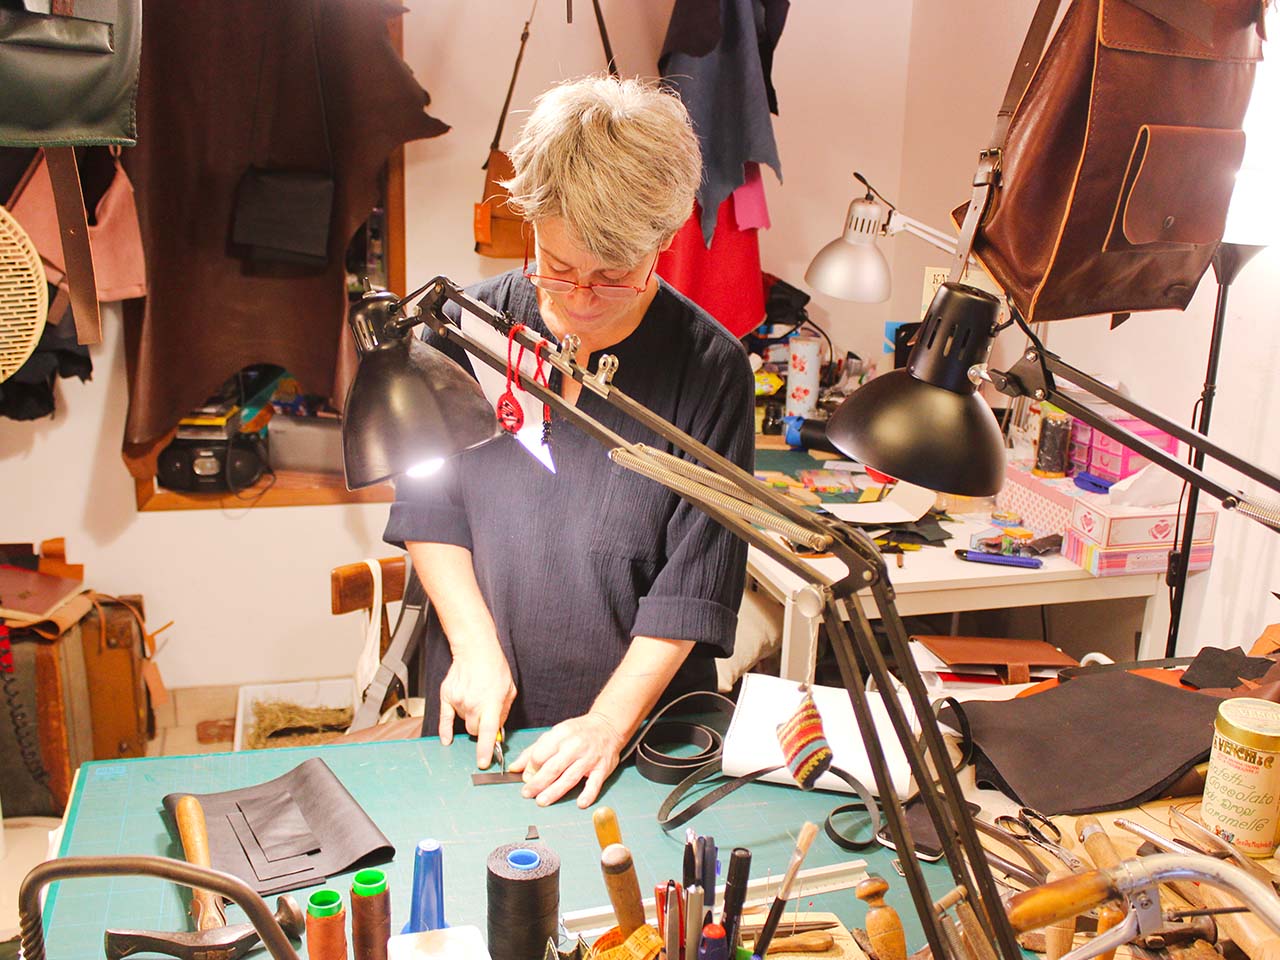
(685, 771)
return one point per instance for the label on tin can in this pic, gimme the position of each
(1243, 783)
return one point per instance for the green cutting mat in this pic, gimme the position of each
(414, 789)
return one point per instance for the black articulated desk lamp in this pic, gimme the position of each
(409, 405)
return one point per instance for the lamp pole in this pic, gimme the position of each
(1228, 260)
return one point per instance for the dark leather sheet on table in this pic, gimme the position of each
(289, 832)
(1214, 668)
(1101, 742)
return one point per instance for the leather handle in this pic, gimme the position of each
(1059, 899)
(206, 907)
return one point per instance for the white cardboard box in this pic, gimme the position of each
(1112, 526)
(305, 693)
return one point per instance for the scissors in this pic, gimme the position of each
(1033, 826)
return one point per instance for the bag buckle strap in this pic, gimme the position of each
(989, 167)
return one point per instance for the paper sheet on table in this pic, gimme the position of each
(765, 702)
(494, 385)
(905, 503)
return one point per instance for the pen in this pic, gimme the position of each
(708, 872)
(673, 928)
(735, 892)
(803, 842)
(1000, 559)
(690, 863)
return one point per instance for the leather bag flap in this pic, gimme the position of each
(1178, 185)
(1222, 30)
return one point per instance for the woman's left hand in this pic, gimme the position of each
(580, 748)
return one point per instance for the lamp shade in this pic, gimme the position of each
(852, 267)
(407, 404)
(926, 423)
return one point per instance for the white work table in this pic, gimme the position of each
(935, 580)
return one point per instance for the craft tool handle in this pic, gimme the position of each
(1246, 930)
(206, 907)
(815, 941)
(606, 824)
(1104, 855)
(1000, 559)
(1059, 899)
(883, 925)
(623, 887)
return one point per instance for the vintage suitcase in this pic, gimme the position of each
(80, 696)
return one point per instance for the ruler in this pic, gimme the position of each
(763, 890)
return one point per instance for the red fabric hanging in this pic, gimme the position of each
(724, 279)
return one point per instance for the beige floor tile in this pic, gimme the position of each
(193, 704)
(166, 716)
(181, 741)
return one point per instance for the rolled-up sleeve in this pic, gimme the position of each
(696, 594)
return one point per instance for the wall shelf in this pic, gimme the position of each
(291, 489)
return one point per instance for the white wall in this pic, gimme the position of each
(961, 56)
(248, 590)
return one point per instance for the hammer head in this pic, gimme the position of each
(219, 943)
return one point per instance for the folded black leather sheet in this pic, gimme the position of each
(290, 832)
(1105, 741)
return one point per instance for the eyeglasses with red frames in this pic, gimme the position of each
(606, 291)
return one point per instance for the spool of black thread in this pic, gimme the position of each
(523, 886)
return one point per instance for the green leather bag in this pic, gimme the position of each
(69, 72)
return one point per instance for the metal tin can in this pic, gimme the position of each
(1243, 782)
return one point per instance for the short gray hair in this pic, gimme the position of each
(617, 160)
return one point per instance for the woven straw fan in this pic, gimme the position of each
(24, 296)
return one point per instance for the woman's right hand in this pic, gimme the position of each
(479, 689)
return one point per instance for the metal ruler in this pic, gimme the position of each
(763, 890)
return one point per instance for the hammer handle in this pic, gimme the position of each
(206, 907)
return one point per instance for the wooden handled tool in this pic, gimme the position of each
(1060, 935)
(1104, 856)
(884, 926)
(206, 908)
(813, 941)
(1059, 899)
(1246, 930)
(606, 824)
(624, 889)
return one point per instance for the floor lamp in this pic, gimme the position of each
(1228, 260)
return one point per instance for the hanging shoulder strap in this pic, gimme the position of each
(515, 70)
(73, 224)
(988, 173)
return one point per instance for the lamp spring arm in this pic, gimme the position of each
(639, 461)
(1266, 512)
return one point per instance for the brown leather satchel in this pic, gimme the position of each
(1107, 180)
(499, 230)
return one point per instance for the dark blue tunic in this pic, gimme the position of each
(574, 564)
